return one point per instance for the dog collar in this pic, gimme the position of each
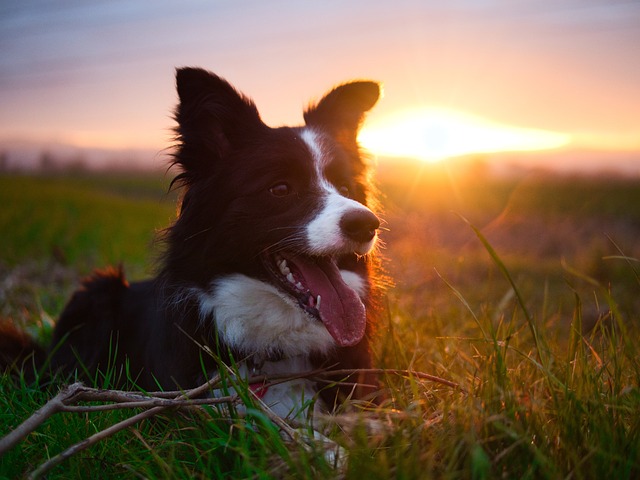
(259, 389)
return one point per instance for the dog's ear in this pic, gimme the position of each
(212, 119)
(342, 110)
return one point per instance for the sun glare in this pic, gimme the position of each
(433, 134)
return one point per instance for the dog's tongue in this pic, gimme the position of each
(341, 310)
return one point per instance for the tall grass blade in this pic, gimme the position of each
(503, 269)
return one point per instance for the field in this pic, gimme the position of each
(524, 291)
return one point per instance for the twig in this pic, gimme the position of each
(78, 447)
(390, 371)
(155, 402)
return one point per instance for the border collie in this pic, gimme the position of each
(270, 262)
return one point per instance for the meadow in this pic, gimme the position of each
(522, 290)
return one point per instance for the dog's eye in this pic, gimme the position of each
(280, 190)
(344, 191)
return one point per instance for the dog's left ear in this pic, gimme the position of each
(342, 110)
(213, 119)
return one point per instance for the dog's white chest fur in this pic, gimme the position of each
(257, 319)
(291, 399)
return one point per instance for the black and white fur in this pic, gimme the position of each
(259, 204)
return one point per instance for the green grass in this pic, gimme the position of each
(83, 221)
(543, 341)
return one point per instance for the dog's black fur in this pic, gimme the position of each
(250, 194)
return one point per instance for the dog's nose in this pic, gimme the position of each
(359, 225)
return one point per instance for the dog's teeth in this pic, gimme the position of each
(284, 269)
(318, 302)
(290, 278)
(299, 286)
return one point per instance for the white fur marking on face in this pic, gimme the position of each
(256, 318)
(324, 235)
(311, 138)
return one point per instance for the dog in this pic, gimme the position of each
(271, 262)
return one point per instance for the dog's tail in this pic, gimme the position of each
(19, 353)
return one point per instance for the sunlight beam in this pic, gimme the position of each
(434, 134)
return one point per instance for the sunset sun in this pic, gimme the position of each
(433, 134)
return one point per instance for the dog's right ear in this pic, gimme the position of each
(212, 118)
(342, 110)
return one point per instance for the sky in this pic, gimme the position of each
(100, 74)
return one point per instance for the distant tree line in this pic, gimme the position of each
(49, 162)
(45, 162)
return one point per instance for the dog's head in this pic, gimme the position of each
(286, 205)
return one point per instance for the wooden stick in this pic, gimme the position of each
(107, 432)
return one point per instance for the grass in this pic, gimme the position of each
(543, 340)
(83, 221)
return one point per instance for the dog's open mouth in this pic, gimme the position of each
(318, 287)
